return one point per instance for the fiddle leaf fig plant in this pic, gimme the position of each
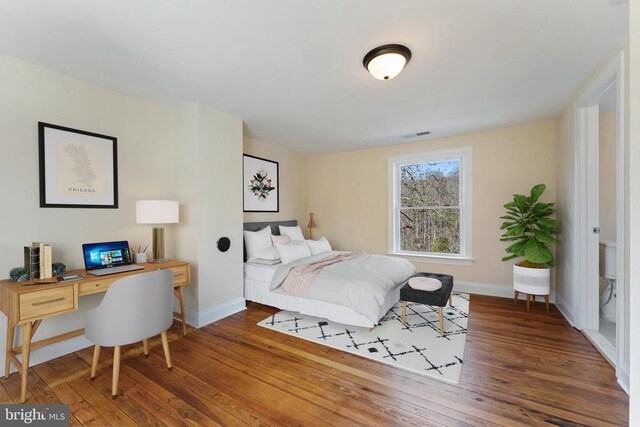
(530, 229)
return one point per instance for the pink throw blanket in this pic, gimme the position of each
(299, 279)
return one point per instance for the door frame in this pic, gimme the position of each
(588, 207)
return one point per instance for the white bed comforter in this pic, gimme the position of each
(361, 283)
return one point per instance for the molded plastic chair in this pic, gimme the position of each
(134, 308)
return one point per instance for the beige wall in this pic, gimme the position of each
(349, 192)
(293, 182)
(156, 151)
(607, 159)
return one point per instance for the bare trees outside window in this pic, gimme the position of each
(430, 207)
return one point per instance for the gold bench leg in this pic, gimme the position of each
(404, 311)
(441, 316)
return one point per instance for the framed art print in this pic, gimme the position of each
(260, 184)
(78, 169)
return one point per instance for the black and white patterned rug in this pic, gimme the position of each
(417, 346)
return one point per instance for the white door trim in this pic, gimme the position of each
(588, 313)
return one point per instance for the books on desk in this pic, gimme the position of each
(37, 261)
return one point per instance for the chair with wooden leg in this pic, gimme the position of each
(135, 308)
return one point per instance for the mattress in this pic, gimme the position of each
(259, 272)
(258, 291)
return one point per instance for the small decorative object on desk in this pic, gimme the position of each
(58, 269)
(140, 256)
(19, 274)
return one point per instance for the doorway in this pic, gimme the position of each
(600, 135)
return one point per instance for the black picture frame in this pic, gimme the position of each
(78, 169)
(252, 201)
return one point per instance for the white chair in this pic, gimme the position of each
(135, 308)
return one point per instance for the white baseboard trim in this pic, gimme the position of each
(53, 351)
(197, 320)
(210, 315)
(565, 311)
(490, 289)
(623, 377)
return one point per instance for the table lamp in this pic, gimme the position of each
(312, 224)
(157, 212)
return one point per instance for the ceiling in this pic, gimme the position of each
(292, 69)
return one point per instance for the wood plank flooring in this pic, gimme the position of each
(519, 369)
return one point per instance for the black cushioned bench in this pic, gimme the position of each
(436, 298)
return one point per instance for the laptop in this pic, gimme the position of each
(105, 258)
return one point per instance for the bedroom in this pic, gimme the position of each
(76, 71)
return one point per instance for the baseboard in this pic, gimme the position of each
(623, 377)
(205, 317)
(562, 306)
(52, 351)
(490, 289)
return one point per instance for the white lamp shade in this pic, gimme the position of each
(386, 66)
(157, 212)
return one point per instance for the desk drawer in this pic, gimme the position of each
(46, 302)
(180, 274)
(94, 287)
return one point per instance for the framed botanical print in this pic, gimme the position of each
(78, 169)
(260, 184)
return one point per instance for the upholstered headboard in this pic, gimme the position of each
(255, 226)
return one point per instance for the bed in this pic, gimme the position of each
(258, 280)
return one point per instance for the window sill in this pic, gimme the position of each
(434, 259)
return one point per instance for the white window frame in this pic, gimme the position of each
(464, 155)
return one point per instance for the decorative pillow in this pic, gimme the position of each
(319, 246)
(292, 251)
(255, 241)
(268, 254)
(294, 233)
(276, 240)
(425, 283)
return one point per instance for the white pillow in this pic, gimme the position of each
(279, 239)
(292, 251)
(319, 246)
(255, 241)
(294, 233)
(270, 254)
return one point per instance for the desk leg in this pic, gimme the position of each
(26, 349)
(180, 295)
(7, 363)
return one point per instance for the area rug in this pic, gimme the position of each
(417, 346)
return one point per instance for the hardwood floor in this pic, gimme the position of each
(519, 369)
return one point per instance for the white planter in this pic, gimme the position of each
(534, 281)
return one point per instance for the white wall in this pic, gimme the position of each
(634, 208)
(161, 154)
(570, 288)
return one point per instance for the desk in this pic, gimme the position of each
(28, 305)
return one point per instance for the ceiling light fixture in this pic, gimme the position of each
(386, 62)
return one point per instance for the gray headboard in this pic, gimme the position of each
(255, 226)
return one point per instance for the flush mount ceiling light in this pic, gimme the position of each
(386, 62)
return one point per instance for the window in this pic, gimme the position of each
(430, 205)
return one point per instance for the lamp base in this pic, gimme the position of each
(157, 261)
(158, 245)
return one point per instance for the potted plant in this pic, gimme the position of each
(530, 230)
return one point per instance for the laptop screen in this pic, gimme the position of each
(106, 255)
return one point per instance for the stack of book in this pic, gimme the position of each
(37, 261)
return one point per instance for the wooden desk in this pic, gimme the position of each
(27, 305)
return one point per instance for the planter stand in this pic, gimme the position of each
(529, 298)
(532, 282)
